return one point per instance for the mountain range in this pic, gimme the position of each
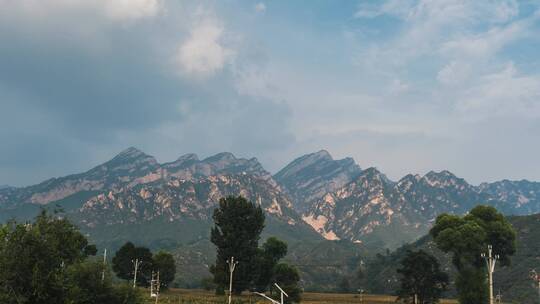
(315, 197)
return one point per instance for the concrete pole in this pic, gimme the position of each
(490, 263)
(232, 265)
(135, 274)
(104, 265)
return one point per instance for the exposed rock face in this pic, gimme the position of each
(189, 166)
(517, 197)
(311, 176)
(130, 168)
(178, 199)
(373, 206)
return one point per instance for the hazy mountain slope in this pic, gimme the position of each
(129, 167)
(309, 177)
(320, 263)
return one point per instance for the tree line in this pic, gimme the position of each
(49, 261)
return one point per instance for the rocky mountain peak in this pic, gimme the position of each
(443, 179)
(309, 177)
(188, 157)
(220, 157)
(131, 155)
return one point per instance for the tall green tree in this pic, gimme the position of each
(467, 238)
(124, 263)
(236, 233)
(164, 263)
(422, 277)
(34, 259)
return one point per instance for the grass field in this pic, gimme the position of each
(190, 296)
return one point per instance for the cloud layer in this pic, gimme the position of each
(407, 86)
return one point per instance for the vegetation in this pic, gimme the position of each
(124, 259)
(164, 263)
(422, 280)
(196, 296)
(47, 261)
(238, 225)
(466, 238)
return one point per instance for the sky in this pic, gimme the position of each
(406, 86)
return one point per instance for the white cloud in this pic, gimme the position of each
(454, 73)
(260, 7)
(131, 9)
(204, 53)
(486, 43)
(116, 10)
(502, 93)
(398, 8)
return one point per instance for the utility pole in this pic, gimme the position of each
(283, 293)
(232, 266)
(136, 264)
(490, 263)
(104, 265)
(536, 278)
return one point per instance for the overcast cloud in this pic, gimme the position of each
(406, 86)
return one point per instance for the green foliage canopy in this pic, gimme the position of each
(421, 276)
(164, 263)
(124, 259)
(271, 252)
(236, 233)
(467, 238)
(287, 278)
(47, 262)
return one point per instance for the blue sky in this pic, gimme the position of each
(406, 86)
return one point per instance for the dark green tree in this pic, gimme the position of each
(467, 238)
(238, 224)
(34, 259)
(85, 285)
(421, 276)
(287, 277)
(269, 255)
(164, 263)
(124, 259)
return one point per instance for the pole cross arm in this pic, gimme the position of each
(282, 291)
(266, 297)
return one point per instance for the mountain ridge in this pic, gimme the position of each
(335, 197)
